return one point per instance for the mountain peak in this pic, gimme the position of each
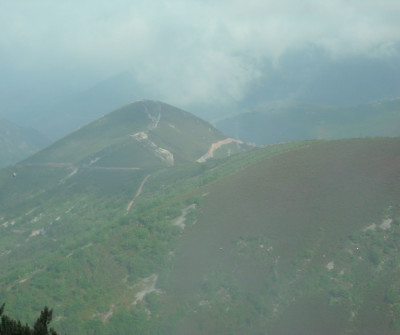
(144, 133)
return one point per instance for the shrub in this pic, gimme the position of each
(10, 326)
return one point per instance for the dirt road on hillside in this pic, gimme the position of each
(52, 164)
(210, 153)
(128, 208)
(67, 164)
(112, 168)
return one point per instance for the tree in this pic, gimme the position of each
(9, 326)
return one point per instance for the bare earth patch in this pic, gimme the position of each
(372, 226)
(105, 316)
(210, 153)
(386, 223)
(161, 153)
(146, 286)
(6, 224)
(330, 266)
(37, 232)
(128, 208)
(180, 220)
(29, 276)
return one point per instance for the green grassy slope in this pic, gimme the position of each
(289, 121)
(118, 241)
(75, 234)
(184, 135)
(288, 245)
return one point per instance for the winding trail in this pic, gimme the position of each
(128, 208)
(52, 164)
(71, 165)
(210, 153)
(112, 168)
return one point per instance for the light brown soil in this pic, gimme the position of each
(210, 153)
(128, 208)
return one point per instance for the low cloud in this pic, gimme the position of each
(187, 51)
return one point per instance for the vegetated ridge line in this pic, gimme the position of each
(215, 146)
(128, 208)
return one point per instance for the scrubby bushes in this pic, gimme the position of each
(10, 326)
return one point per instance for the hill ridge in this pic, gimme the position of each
(232, 245)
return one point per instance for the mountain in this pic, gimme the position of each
(68, 197)
(117, 237)
(57, 104)
(310, 74)
(289, 121)
(145, 133)
(17, 143)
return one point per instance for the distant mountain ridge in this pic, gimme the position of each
(294, 121)
(143, 133)
(88, 105)
(17, 143)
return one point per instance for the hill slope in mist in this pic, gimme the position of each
(290, 121)
(301, 243)
(66, 217)
(80, 109)
(104, 229)
(160, 131)
(17, 143)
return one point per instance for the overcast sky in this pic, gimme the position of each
(187, 51)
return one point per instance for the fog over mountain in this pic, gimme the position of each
(212, 58)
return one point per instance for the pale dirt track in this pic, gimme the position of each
(112, 168)
(128, 208)
(67, 164)
(210, 153)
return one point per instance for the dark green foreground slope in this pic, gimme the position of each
(306, 242)
(295, 238)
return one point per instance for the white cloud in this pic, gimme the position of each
(189, 50)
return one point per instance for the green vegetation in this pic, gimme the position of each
(68, 238)
(287, 239)
(119, 241)
(9, 326)
(111, 138)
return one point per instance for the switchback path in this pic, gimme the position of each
(52, 164)
(68, 164)
(210, 153)
(128, 208)
(112, 168)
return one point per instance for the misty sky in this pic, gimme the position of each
(181, 51)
